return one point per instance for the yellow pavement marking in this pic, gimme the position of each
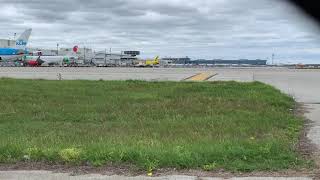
(201, 77)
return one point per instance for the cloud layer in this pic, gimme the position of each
(228, 29)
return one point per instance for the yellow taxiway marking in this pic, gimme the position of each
(201, 77)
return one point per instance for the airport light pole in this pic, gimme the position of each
(57, 49)
(105, 57)
(84, 53)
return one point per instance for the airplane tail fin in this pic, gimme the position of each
(157, 60)
(39, 61)
(22, 41)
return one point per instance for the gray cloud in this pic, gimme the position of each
(199, 29)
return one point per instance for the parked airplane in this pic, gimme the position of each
(149, 63)
(9, 54)
(32, 61)
(50, 60)
(152, 62)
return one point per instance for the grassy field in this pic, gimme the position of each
(209, 125)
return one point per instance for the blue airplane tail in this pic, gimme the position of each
(22, 41)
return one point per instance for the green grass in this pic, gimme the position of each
(209, 125)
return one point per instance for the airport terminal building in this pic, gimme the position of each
(174, 60)
(216, 62)
(5, 43)
(256, 62)
(125, 58)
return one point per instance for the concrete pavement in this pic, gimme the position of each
(314, 115)
(47, 175)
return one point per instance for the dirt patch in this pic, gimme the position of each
(226, 174)
(129, 170)
(110, 169)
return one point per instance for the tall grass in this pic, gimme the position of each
(210, 125)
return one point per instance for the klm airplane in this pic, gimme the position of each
(11, 54)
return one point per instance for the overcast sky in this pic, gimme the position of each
(227, 29)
